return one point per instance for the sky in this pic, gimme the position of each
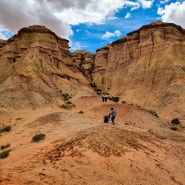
(88, 24)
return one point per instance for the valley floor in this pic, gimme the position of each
(79, 148)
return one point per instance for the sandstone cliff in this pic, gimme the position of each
(147, 67)
(144, 68)
(36, 67)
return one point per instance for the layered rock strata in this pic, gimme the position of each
(35, 67)
(147, 67)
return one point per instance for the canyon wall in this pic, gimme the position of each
(147, 68)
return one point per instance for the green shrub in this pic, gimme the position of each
(67, 105)
(68, 102)
(5, 129)
(4, 154)
(115, 99)
(38, 137)
(66, 96)
(63, 106)
(4, 146)
(173, 128)
(175, 121)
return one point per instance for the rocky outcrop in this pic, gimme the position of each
(84, 61)
(36, 67)
(146, 67)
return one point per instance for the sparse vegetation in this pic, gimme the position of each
(154, 113)
(5, 146)
(63, 106)
(123, 101)
(68, 102)
(115, 99)
(173, 128)
(66, 96)
(4, 154)
(81, 111)
(67, 105)
(175, 121)
(5, 129)
(38, 137)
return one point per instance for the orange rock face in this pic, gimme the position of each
(35, 68)
(146, 67)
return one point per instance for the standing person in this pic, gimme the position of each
(106, 97)
(112, 115)
(103, 97)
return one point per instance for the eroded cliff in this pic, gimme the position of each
(146, 67)
(37, 67)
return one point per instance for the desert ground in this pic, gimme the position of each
(79, 148)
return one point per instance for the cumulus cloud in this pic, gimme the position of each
(75, 46)
(108, 34)
(94, 11)
(173, 12)
(60, 15)
(17, 14)
(146, 3)
(133, 5)
(164, 1)
(128, 15)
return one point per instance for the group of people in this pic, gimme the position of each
(104, 97)
(111, 117)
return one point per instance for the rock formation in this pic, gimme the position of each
(35, 68)
(146, 67)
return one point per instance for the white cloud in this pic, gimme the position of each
(94, 11)
(75, 46)
(108, 34)
(164, 1)
(2, 36)
(60, 15)
(173, 12)
(128, 15)
(146, 3)
(133, 5)
(17, 14)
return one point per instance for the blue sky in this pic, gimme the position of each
(88, 24)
